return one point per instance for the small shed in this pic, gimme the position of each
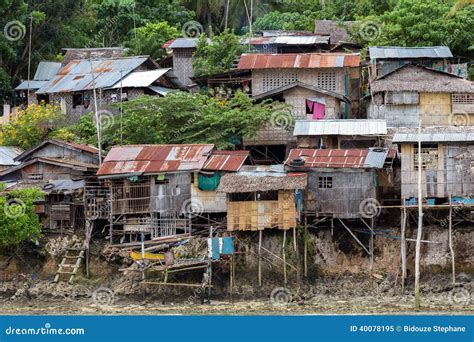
(337, 134)
(447, 161)
(261, 197)
(340, 180)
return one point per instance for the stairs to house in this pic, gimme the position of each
(73, 257)
(70, 264)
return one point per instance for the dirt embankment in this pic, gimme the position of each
(339, 278)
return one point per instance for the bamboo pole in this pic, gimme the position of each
(294, 239)
(420, 225)
(284, 256)
(403, 246)
(371, 244)
(305, 250)
(451, 249)
(260, 233)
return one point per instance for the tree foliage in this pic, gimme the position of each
(31, 125)
(217, 55)
(18, 219)
(148, 39)
(181, 117)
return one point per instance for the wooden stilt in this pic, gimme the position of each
(294, 239)
(371, 244)
(450, 233)
(87, 263)
(284, 257)
(403, 245)
(231, 276)
(260, 233)
(111, 217)
(305, 252)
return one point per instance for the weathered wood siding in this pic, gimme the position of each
(54, 151)
(258, 215)
(349, 189)
(453, 175)
(395, 115)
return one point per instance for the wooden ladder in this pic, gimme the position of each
(67, 268)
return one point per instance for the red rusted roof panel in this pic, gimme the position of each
(149, 159)
(298, 60)
(327, 158)
(226, 161)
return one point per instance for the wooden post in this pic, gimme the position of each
(371, 243)
(450, 233)
(305, 239)
(284, 256)
(111, 217)
(294, 239)
(420, 225)
(231, 275)
(260, 233)
(403, 245)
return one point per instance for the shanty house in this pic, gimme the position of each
(316, 85)
(337, 134)
(340, 182)
(150, 187)
(260, 197)
(339, 34)
(60, 169)
(114, 80)
(183, 50)
(411, 93)
(447, 161)
(204, 193)
(385, 59)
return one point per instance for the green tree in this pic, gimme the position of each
(422, 23)
(148, 39)
(187, 118)
(286, 21)
(217, 55)
(18, 219)
(31, 126)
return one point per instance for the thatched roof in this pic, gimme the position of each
(421, 79)
(235, 182)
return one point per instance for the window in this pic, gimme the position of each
(406, 97)
(462, 98)
(267, 196)
(429, 158)
(35, 176)
(327, 80)
(325, 182)
(277, 79)
(77, 100)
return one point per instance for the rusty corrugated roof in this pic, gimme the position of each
(226, 160)
(298, 60)
(340, 158)
(153, 159)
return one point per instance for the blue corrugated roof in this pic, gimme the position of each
(80, 75)
(46, 70)
(400, 52)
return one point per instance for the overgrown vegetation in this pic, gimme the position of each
(181, 117)
(31, 125)
(18, 220)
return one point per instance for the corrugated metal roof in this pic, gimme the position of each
(153, 159)
(350, 158)
(8, 154)
(376, 157)
(298, 60)
(340, 127)
(46, 70)
(32, 85)
(399, 52)
(63, 185)
(226, 160)
(79, 75)
(288, 40)
(183, 43)
(140, 79)
(161, 90)
(431, 136)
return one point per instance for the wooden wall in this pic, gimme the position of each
(296, 97)
(349, 188)
(258, 215)
(453, 174)
(435, 108)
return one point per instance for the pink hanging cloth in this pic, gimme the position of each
(318, 110)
